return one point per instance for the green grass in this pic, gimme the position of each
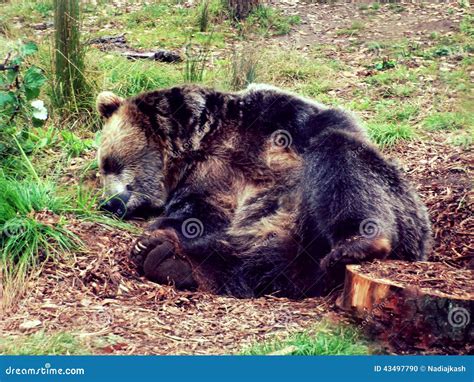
(30, 224)
(148, 15)
(271, 22)
(128, 78)
(243, 67)
(394, 111)
(43, 344)
(353, 30)
(388, 134)
(467, 25)
(464, 140)
(398, 8)
(323, 339)
(448, 121)
(375, 6)
(400, 74)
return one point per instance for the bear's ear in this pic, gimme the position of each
(107, 103)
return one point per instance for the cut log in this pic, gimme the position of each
(420, 305)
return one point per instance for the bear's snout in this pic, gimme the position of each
(117, 204)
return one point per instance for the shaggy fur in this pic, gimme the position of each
(260, 192)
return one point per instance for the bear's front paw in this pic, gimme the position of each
(142, 248)
(156, 258)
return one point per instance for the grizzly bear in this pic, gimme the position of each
(258, 192)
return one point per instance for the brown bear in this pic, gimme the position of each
(258, 192)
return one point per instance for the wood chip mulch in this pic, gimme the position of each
(443, 176)
(435, 278)
(98, 296)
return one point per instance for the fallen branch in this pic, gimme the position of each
(160, 55)
(119, 44)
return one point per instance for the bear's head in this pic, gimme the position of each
(130, 160)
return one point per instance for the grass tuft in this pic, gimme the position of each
(355, 28)
(272, 22)
(43, 344)
(323, 339)
(448, 121)
(388, 134)
(243, 67)
(30, 226)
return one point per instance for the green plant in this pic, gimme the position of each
(196, 59)
(385, 65)
(20, 84)
(399, 75)
(323, 339)
(130, 78)
(40, 138)
(203, 15)
(391, 111)
(398, 8)
(375, 6)
(74, 145)
(376, 46)
(148, 15)
(43, 7)
(442, 51)
(354, 29)
(5, 28)
(387, 134)
(243, 67)
(463, 140)
(447, 121)
(31, 228)
(43, 344)
(467, 25)
(272, 22)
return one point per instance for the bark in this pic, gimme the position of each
(240, 9)
(69, 56)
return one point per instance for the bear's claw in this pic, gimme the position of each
(140, 251)
(155, 258)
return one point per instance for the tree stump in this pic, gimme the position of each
(421, 305)
(240, 9)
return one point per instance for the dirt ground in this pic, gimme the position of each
(98, 295)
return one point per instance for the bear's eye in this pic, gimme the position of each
(111, 165)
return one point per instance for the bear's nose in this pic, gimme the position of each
(117, 204)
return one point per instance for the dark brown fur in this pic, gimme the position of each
(278, 187)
